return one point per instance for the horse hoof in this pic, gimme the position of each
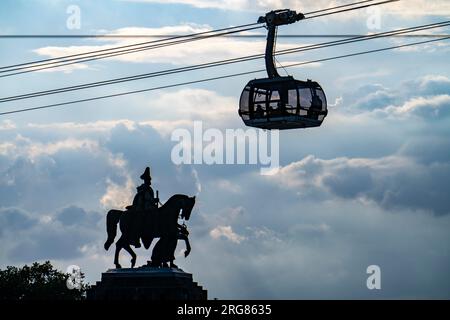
(118, 266)
(107, 244)
(133, 262)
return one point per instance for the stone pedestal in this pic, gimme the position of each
(146, 283)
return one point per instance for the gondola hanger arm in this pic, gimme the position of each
(281, 17)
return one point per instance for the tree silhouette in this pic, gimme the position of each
(37, 282)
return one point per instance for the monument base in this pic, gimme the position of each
(146, 283)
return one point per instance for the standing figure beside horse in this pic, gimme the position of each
(144, 220)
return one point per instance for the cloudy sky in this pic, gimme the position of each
(369, 187)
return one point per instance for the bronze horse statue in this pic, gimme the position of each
(163, 224)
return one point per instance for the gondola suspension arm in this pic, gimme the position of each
(273, 19)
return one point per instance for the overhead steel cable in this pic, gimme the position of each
(385, 34)
(349, 9)
(245, 26)
(338, 7)
(215, 78)
(70, 61)
(258, 35)
(62, 61)
(217, 63)
(224, 62)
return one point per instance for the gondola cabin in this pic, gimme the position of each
(282, 103)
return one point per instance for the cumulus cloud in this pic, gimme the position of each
(431, 84)
(435, 107)
(227, 233)
(392, 182)
(161, 112)
(377, 100)
(427, 150)
(349, 79)
(29, 238)
(117, 195)
(14, 219)
(65, 170)
(76, 216)
(7, 125)
(194, 104)
(426, 98)
(84, 127)
(429, 48)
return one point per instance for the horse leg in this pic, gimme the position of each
(170, 253)
(157, 253)
(188, 244)
(119, 246)
(112, 219)
(127, 247)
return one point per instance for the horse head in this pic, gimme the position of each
(187, 206)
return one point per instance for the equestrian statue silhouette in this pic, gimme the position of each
(145, 220)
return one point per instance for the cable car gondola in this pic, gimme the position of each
(280, 102)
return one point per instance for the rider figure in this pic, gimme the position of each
(144, 202)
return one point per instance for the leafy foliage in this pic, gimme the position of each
(37, 282)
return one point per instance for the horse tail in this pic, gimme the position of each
(112, 219)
